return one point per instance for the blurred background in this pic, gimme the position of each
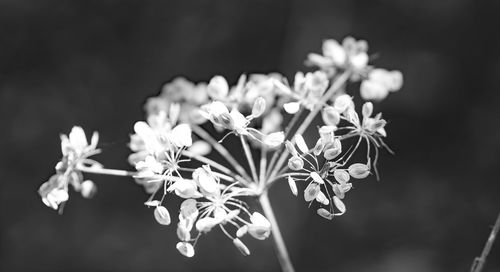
(93, 63)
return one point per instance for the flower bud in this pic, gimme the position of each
(162, 215)
(301, 143)
(88, 189)
(321, 198)
(218, 88)
(339, 204)
(274, 139)
(242, 231)
(292, 185)
(241, 247)
(183, 233)
(341, 175)
(342, 103)
(291, 148)
(331, 116)
(295, 163)
(200, 148)
(188, 209)
(259, 106)
(206, 224)
(325, 214)
(292, 107)
(318, 148)
(185, 249)
(316, 177)
(367, 109)
(311, 192)
(327, 133)
(359, 170)
(152, 203)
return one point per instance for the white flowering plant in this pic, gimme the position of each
(270, 116)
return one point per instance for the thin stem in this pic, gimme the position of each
(216, 165)
(279, 243)
(105, 171)
(248, 154)
(288, 128)
(310, 117)
(479, 262)
(271, 182)
(221, 149)
(263, 164)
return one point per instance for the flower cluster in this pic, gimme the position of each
(171, 148)
(75, 150)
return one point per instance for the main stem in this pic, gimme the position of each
(279, 243)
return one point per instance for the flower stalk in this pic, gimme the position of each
(279, 243)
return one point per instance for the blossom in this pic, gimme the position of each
(351, 54)
(307, 91)
(380, 83)
(234, 120)
(76, 151)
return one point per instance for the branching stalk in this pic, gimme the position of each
(279, 243)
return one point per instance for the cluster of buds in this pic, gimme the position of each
(178, 133)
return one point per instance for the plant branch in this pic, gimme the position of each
(279, 243)
(479, 262)
(251, 163)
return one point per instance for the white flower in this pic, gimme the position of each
(218, 88)
(379, 83)
(274, 139)
(260, 228)
(307, 91)
(55, 197)
(77, 143)
(149, 167)
(206, 180)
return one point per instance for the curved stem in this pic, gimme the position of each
(279, 243)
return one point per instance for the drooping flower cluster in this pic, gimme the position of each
(171, 149)
(75, 150)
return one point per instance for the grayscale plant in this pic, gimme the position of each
(273, 119)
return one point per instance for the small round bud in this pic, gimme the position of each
(162, 215)
(259, 106)
(185, 249)
(359, 170)
(295, 163)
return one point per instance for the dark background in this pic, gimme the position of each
(93, 63)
